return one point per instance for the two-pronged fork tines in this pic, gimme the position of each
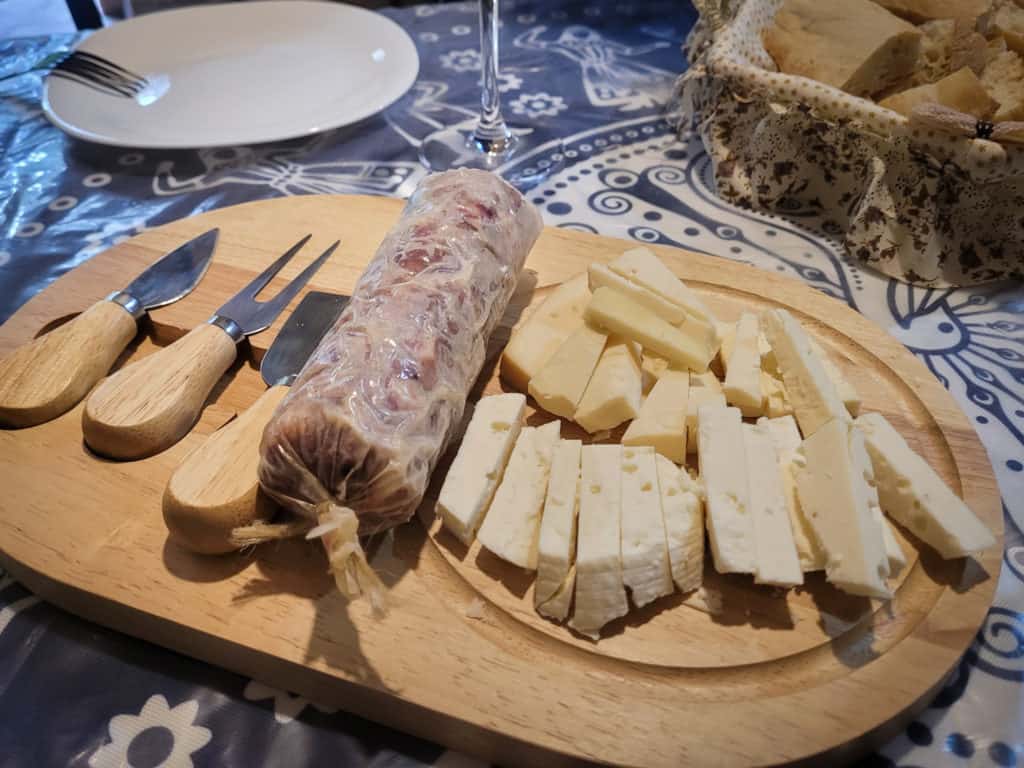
(98, 73)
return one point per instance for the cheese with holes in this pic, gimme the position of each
(613, 394)
(834, 482)
(723, 468)
(893, 551)
(682, 509)
(510, 528)
(645, 564)
(690, 345)
(776, 560)
(743, 374)
(556, 544)
(661, 422)
(913, 494)
(600, 594)
(705, 389)
(643, 267)
(559, 385)
(811, 391)
(478, 466)
(542, 332)
(602, 276)
(786, 438)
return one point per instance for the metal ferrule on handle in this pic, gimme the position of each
(129, 303)
(229, 326)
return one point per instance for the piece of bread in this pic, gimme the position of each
(1007, 22)
(1003, 79)
(968, 48)
(854, 45)
(918, 11)
(933, 62)
(961, 91)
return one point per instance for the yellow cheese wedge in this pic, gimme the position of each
(690, 345)
(556, 546)
(542, 332)
(603, 277)
(683, 511)
(560, 384)
(661, 422)
(645, 564)
(743, 377)
(643, 267)
(613, 394)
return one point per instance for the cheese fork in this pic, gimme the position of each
(149, 405)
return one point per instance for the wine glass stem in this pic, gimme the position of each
(491, 133)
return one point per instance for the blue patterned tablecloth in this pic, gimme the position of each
(598, 75)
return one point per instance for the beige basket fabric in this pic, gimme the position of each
(911, 200)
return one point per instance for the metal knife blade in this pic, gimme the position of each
(300, 335)
(170, 278)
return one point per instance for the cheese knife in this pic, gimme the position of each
(151, 404)
(216, 489)
(48, 376)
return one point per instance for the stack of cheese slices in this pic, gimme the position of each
(792, 478)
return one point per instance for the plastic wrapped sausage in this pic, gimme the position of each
(353, 444)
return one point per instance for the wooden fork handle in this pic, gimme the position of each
(48, 376)
(216, 488)
(149, 405)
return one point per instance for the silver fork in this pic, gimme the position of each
(149, 405)
(89, 69)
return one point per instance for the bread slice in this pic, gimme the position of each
(918, 11)
(1003, 79)
(854, 45)
(961, 91)
(1007, 22)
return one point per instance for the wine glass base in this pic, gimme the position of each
(459, 148)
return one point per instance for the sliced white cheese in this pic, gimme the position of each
(654, 366)
(786, 437)
(600, 594)
(643, 267)
(613, 394)
(645, 565)
(811, 391)
(776, 401)
(893, 551)
(699, 396)
(478, 466)
(727, 341)
(542, 332)
(683, 512)
(836, 493)
(510, 528)
(743, 378)
(690, 345)
(776, 556)
(560, 384)
(723, 469)
(913, 494)
(556, 546)
(661, 422)
(846, 391)
(602, 277)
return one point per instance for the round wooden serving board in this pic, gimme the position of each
(736, 675)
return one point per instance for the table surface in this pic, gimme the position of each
(598, 75)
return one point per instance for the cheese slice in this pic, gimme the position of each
(603, 277)
(913, 494)
(775, 551)
(690, 345)
(661, 422)
(834, 484)
(643, 267)
(543, 331)
(893, 551)
(786, 437)
(743, 373)
(723, 469)
(560, 384)
(478, 466)
(510, 528)
(654, 366)
(645, 564)
(844, 388)
(813, 394)
(613, 394)
(556, 545)
(776, 401)
(600, 594)
(683, 512)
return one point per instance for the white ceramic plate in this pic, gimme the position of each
(239, 73)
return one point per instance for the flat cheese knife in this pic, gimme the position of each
(151, 404)
(216, 489)
(48, 376)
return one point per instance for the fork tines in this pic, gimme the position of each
(99, 73)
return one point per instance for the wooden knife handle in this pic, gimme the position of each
(216, 489)
(149, 405)
(48, 376)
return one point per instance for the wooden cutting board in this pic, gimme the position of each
(736, 675)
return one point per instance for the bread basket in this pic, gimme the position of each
(922, 201)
